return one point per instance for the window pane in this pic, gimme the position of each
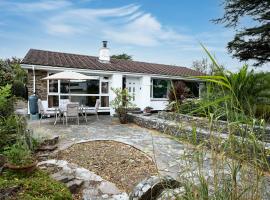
(160, 88)
(104, 87)
(105, 101)
(80, 87)
(85, 101)
(53, 85)
(53, 101)
(64, 86)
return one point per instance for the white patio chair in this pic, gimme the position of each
(44, 112)
(72, 112)
(97, 105)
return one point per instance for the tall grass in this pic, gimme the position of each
(239, 163)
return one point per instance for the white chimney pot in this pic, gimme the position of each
(104, 53)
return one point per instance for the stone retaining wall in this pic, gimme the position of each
(218, 126)
(185, 129)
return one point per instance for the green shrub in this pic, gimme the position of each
(37, 186)
(18, 89)
(11, 128)
(6, 101)
(18, 154)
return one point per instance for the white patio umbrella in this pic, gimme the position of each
(70, 75)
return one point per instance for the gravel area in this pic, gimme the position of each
(116, 162)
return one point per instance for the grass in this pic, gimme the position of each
(37, 186)
(239, 163)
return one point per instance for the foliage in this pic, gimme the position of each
(6, 101)
(239, 92)
(177, 94)
(18, 89)
(252, 42)
(18, 154)
(122, 56)
(205, 67)
(11, 128)
(231, 161)
(121, 103)
(36, 186)
(10, 70)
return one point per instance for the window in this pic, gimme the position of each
(84, 92)
(160, 88)
(104, 87)
(53, 86)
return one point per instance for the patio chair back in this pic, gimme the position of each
(72, 110)
(97, 105)
(41, 109)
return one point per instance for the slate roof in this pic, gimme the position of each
(68, 60)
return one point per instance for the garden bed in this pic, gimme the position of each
(116, 162)
(35, 186)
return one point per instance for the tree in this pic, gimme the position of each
(122, 56)
(11, 70)
(205, 67)
(251, 43)
(200, 65)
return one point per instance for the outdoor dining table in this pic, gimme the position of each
(59, 111)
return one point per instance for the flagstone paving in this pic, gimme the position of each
(167, 150)
(164, 150)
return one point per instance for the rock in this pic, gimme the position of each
(47, 148)
(51, 142)
(89, 193)
(108, 188)
(62, 177)
(74, 185)
(151, 188)
(122, 196)
(82, 173)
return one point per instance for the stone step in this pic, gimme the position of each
(74, 185)
(62, 177)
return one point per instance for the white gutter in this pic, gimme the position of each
(50, 68)
(34, 79)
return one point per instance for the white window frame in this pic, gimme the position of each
(59, 94)
(152, 90)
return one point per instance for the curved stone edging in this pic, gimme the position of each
(76, 178)
(153, 187)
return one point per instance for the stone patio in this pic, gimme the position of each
(164, 149)
(167, 150)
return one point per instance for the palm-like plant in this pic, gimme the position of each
(239, 92)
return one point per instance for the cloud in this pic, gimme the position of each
(44, 5)
(127, 25)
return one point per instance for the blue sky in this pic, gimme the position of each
(150, 30)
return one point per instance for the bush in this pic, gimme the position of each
(18, 89)
(18, 154)
(37, 186)
(6, 101)
(177, 94)
(11, 128)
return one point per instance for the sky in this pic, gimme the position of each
(159, 31)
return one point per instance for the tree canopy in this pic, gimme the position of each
(249, 43)
(122, 56)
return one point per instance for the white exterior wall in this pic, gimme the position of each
(159, 104)
(115, 82)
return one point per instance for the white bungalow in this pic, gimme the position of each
(147, 82)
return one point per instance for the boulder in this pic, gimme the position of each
(151, 188)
